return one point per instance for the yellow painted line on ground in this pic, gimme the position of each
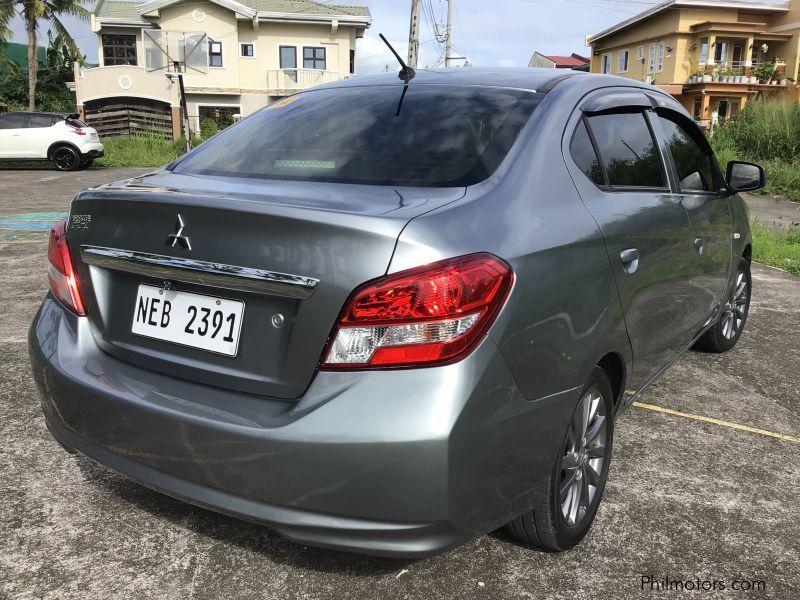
(676, 413)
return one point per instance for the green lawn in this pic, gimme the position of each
(777, 250)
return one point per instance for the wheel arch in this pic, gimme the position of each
(614, 366)
(60, 144)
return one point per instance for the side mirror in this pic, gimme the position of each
(745, 177)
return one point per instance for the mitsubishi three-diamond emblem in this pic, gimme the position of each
(178, 238)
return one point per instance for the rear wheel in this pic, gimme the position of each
(65, 158)
(565, 509)
(725, 333)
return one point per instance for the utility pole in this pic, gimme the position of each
(413, 35)
(448, 47)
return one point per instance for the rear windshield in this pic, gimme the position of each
(438, 136)
(75, 122)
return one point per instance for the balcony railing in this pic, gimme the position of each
(291, 80)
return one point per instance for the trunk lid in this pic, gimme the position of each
(341, 235)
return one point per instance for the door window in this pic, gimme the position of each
(584, 155)
(627, 150)
(12, 121)
(692, 163)
(41, 121)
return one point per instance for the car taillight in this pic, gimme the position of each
(77, 130)
(427, 316)
(64, 281)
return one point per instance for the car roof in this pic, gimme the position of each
(520, 78)
(523, 78)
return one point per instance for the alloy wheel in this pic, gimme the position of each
(735, 311)
(64, 159)
(584, 458)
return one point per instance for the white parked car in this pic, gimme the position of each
(63, 139)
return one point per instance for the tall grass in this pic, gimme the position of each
(780, 250)
(767, 132)
(141, 151)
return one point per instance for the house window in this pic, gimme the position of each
(721, 52)
(660, 64)
(288, 57)
(703, 51)
(640, 53)
(352, 62)
(214, 53)
(605, 66)
(651, 59)
(119, 49)
(313, 58)
(698, 107)
(248, 50)
(622, 64)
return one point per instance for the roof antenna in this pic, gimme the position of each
(406, 73)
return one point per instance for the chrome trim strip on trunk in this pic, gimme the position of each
(187, 270)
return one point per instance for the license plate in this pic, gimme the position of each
(203, 322)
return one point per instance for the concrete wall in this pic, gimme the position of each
(221, 25)
(124, 80)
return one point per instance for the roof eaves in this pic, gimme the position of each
(343, 19)
(236, 7)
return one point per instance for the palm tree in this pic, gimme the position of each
(32, 13)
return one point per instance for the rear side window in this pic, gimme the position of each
(13, 121)
(627, 149)
(76, 122)
(41, 121)
(585, 157)
(693, 164)
(432, 136)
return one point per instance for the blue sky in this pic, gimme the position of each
(490, 33)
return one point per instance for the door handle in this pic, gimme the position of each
(630, 260)
(698, 246)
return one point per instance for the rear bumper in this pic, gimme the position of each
(395, 463)
(91, 150)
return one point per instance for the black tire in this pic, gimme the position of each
(546, 527)
(726, 331)
(65, 158)
(85, 164)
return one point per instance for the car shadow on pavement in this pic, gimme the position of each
(249, 536)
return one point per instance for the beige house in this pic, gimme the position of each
(235, 56)
(713, 55)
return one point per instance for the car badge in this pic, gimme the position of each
(177, 238)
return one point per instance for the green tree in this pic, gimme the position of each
(34, 12)
(51, 92)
